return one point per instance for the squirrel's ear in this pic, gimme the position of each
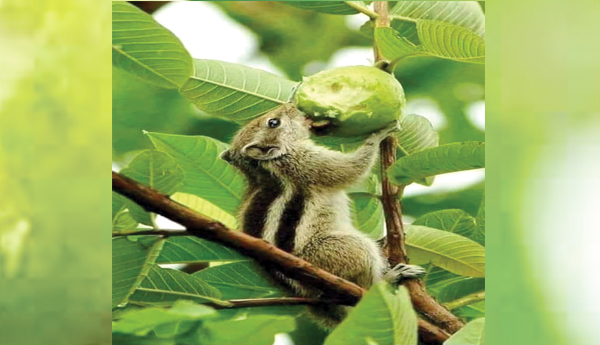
(226, 156)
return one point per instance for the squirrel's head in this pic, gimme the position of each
(270, 136)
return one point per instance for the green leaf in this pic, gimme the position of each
(257, 330)
(156, 170)
(163, 286)
(123, 222)
(146, 49)
(447, 29)
(142, 321)
(452, 252)
(129, 339)
(393, 46)
(472, 333)
(467, 14)
(447, 287)
(455, 221)
(235, 92)
(330, 7)
(471, 311)
(367, 208)
(206, 208)
(118, 204)
(438, 160)
(180, 249)
(417, 134)
(451, 42)
(480, 229)
(131, 262)
(468, 199)
(383, 316)
(205, 174)
(240, 280)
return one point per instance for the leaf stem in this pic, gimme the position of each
(466, 300)
(362, 9)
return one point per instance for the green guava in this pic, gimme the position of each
(355, 100)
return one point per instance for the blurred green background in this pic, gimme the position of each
(55, 127)
(542, 106)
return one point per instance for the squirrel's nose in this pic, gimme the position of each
(264, 149)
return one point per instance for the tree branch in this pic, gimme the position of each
(394, 247)
(264, 252)
(338, 290)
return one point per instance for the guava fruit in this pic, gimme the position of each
(352, 100)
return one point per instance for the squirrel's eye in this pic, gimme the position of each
(273, 123)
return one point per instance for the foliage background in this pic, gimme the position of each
(542, 106)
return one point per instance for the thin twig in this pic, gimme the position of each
(466, 300)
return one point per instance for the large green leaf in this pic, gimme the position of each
(131, 262)
(330, 7)
(180, 249)
(451, 42)
(471, 311)
(447, 29)
(156, 170)
(454, 220)
(452, 252)
(142, 321)
(438, 160)
(235, 92)
(163, 286)
(206, 208)
(239, 280)
(256, 330)
(146, 49)
(417, 134)
(472, 334)
(205, 174)
(123, 222)
(367, 208)
(394, 46)
(447, 287)
(467, 14)
(384, 316)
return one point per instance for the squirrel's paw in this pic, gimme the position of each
(404, 271)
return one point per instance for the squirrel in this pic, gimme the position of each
(296, 200)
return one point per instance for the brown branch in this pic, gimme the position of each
(340, 290)
(394, 246)
(430, 334)
(262, 251)
(149, 6)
